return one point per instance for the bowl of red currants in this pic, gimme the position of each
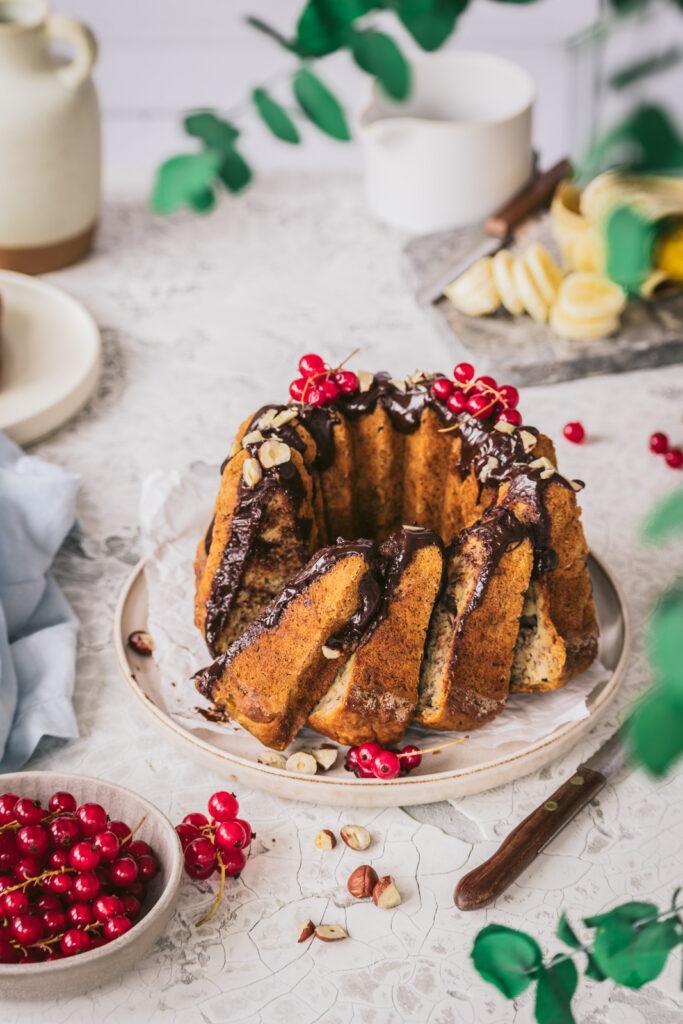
(89, 877)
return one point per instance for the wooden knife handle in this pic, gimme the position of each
(484, 884)
(538, 192)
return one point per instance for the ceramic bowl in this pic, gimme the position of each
(57, 978)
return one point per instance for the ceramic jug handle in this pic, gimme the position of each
(79, 36)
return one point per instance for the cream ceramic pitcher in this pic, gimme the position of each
(49, 139)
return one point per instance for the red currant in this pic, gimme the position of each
(85, 886)
(33, 841)
(314, 396)
(463, 372)
(366, 753)
(138, 848)
(147, 867)
(132, 907)
(120, 830)
(92, 818)
(75, 941)
(58, 884)
(512, 416)
(48, 903)
(123, 871)
(659, 443)
(386, 765)
(84, 856)
(509, 396)
(311, 365)
(442, 387)
(62, 802)
(329, 390)
(247, 831)
(346, 381)
(223, 806)
(351, 760)
(199, 856)
(186, 833)
(107, 844)
(9, 854)
(7, 802)
(234, 861)
(574, 432)
(297, 388)
(107, 906)
(197, 871)
(480, 406)
(230, 835)
(15, 903)
(412, 757)
(58, 859)
(486, 384)
(54, 921)
(674, 458)
(9, 954)
(28, 812)
(27, 929)
(65, 831)
(196, 819)
(27, 868)
(116, 926)
(80, 914)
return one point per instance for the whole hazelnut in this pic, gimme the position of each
(362, 881)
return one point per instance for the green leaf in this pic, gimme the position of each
(430, 25)
(667, 518)
(234, 171)
(630, 240)
(593, 971)
(203, 201)
(663, 640)
(275, 117)
(655, 731)
(556, 986)
(647, 139)
(323, 24)
(567, 934)
(213, 131)
(506, 958)
(634, 956)
(644, 67)
(318, 103)
(182, 179)
(626, 913)
(379, 55)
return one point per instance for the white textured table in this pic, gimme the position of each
(203, 320)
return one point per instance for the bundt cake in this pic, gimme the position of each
(369, 456)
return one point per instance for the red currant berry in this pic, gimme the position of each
(138, 848)
(60, 884)
(108, 845)
(132, 907)
(80, 914)
(58, 859)
(75, 941)
(54, 921)
(65, 831)
(186, 833)
(200, 858)
(120, 830)
(62, 802)
(659, 443)
(116, 926)
(366, 753)
(574, 432)
(28, 812)
(310, 365)
(247, 831)
(15, 903)
(223, 806)
(509, 396)
(346, 381)
(86, 886)
(234, 861)
(27, 868)
(7, 802)
(196, 819)
(107, 906)
(463, 373)
(412, 758)
(123, 871)
(480, 406)
(137, 889)
(297, 388)
(674, 458)
(92, 818)
(314, 396)
(486, 384)
(442, 387)
(48, 903)
(147, 867)
(386, 765)
(230, 836)
(198, 872)
(9, 854)
(329, 390)
(84, 856)
(27, 929)
(512, 416)
(33, 841)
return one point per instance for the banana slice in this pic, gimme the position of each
(544, 270)
(504, 282)
(585, 296)
(475, 292)
(528, 292)
(580, 245)
(582, 328)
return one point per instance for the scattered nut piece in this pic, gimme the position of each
(141, 642)
(385, 895)
(284, 417)
(253, 437)
(302, 762)
(362, 882)
(331, 653)
(413, 529)
(272, 759)
(356, 837)
(528, 440)
(365, 380)
(326, 756)
(542, 463)
(274, 453)
(306, 932)
(488, 467)
(577, 485)
(325, 840)
(416, 377)
(251, 472)
(505, 427)
(266, 420)
(400, 385)
(235, 447)
(547, 473)
(330, 932)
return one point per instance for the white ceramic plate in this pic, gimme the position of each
(49, 357)
(454, 773)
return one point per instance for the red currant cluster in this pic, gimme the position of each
(71, 879)
(215, 845)
(481, 397)
(319, 384)
(372, 761)
(659, 444)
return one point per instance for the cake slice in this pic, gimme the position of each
(468, 658)
(374, 693)
(270, 678)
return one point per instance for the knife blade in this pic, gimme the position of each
(484, 884)
(497, 230)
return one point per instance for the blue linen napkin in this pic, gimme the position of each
(37, 627)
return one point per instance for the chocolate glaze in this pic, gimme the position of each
(320, 422)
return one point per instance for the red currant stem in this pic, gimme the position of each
(433, 750)
(37, 878)
(130, 835)
(461, 423)
(17, 824)
(218, 897)
(55, 938)
(354, 353)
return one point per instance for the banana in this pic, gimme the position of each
(581, 329)
(585, 296)
(475, 292)
(527, 291)
(504, 282)
(544, 271)
(579, 243)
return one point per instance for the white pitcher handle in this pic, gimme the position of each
(78, 35)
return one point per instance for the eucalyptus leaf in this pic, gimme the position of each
(567, 934)
(644, 67)
(663, 639)
(431, 25)
(234, 171)
(214, 132)
(318, 103)
(654, 731)
(556, 987)
(666, 519)
(203, 201)
(626, 913)
(379, 55)
(183, 180)
(593, 971)
(507, 958)
(634, 956)
(323, 24)
(275, 117)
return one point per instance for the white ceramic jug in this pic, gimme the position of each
(457, 150)
(49, 139)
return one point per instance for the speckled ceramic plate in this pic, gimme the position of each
(455, 772)
(49, 357)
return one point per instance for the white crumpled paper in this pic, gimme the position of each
(175, 509)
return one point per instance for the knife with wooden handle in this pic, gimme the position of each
(484, 884)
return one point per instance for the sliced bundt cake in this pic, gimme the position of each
(468, 658)
(374, 693)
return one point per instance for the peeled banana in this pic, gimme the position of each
(475, 292)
